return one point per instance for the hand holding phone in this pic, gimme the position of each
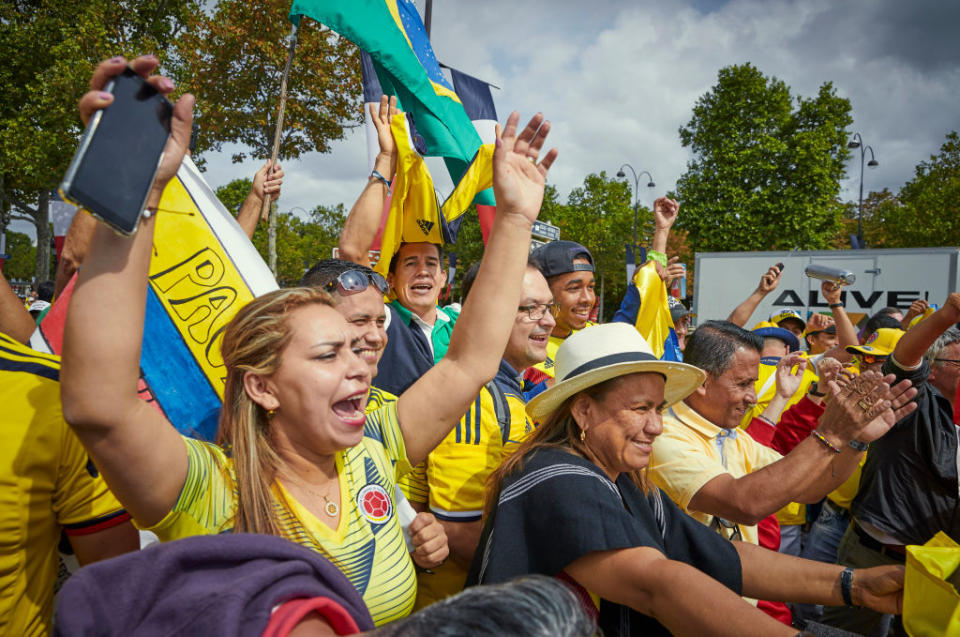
(133, 145)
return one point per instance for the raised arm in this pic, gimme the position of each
(768, 283)
(139, 453)
(15, 320)
(432, 405)
(363, 221)
(864, 409)
(665, 213)
(911, 348)
(917, 307)
(846, 332)
(266, 183)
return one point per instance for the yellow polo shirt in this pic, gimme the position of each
(686, 457)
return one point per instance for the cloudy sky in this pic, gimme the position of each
(617, 79)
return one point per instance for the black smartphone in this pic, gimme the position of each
(779, 267)
(113, 169)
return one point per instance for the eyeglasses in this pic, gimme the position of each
(720, 523)
(952, 361)
(536, 311)
(356, 281)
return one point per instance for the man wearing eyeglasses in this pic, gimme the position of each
(909, 486)
(457, 470)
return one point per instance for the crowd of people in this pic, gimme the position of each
(504, 465)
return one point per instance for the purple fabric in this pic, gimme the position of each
(205, 585)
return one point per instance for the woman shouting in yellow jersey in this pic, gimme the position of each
(296, 457)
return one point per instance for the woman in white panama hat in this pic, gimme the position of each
(573, 502)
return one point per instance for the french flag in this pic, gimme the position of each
(478, 103)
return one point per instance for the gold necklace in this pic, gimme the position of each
(330, 507)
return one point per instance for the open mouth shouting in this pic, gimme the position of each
(350, 410)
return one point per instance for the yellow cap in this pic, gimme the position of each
(881, 343)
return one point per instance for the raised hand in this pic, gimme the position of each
(819, 322)
(381, 117)
(96, 98)
(831, 291)
(665, 212)
(267, 183)
(788, 381)
(770, 280)
(917, 308)
(866, 407)
(518, 178)
(828, 369)
(675, 270)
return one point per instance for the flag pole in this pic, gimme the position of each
(265, 210)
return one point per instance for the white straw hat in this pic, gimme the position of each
(599, 353)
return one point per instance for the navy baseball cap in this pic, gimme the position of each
(557, 257)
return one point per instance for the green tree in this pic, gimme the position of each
(302, 241)
(22, 262)
(880, 213)
(766, 167)
(232, 60)
(925, 212)
(233, 194)
(929, 211)
(48, 50)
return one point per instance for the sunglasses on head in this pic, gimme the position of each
(356, 281)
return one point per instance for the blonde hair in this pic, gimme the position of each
(559, 431)
(254, 341)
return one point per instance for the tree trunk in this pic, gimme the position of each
(44, 237)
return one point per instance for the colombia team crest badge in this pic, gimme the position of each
(374, 503)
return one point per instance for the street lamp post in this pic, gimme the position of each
(857, 142)
(636, 196)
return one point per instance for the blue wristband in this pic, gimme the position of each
(386, 182)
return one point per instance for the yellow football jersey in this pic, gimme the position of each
(368, 545)
(47, 484)
(457, 472)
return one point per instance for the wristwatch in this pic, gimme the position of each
(859, 446)
(815, 390)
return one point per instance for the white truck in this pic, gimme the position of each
(884, 277)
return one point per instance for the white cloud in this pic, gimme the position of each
(618, 79)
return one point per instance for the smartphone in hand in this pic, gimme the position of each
(113, 169)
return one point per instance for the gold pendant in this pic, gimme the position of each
(332, 509)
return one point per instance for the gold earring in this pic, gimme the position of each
(271, 413)
(583, 436)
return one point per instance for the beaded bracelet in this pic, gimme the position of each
(826, 443)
